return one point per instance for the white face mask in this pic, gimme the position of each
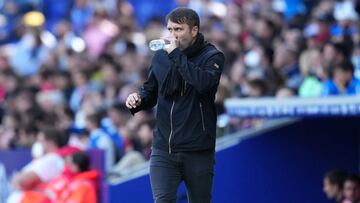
(37, 150)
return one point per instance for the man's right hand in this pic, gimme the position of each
(174, 43)
(133, 101)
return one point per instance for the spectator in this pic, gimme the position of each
(117, 119)
(313, 72)
(11, 11)
(256, 88)
(29, 53)
(342, 81)
(333, 184)
(7, 131)
(145, 134)
(345, 28)
(76, 184)
(264, 31)
(83, 86)
(80, 15)
(285, 92)
(352, 189)
(128, 163)
(83, 186)
(224, 92)
(285, 60)
(42, 168)
(99, 139)
(99, 31)
(333, 53)
(238, 78)
(37, 171)
(26, 136)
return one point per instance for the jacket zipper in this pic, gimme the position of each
(171, 125)
(202, 117)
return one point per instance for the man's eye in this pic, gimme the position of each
(177, 29)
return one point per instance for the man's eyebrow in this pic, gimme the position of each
(174, 27)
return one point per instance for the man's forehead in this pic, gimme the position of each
(173, 24)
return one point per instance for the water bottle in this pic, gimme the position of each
(158, 44)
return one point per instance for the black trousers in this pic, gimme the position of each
(167, 171)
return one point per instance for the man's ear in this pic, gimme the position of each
(194, 31)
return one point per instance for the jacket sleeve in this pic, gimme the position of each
(203, 78)
(148, 94)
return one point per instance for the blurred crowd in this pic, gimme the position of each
(70, 64)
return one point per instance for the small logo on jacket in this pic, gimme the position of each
(216, 65)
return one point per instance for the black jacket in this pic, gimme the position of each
(187, 122)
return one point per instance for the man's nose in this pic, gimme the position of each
(172, 34)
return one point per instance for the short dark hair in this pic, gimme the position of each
(82, 160)
(54, 135)
(353, 178)
(184, 15)
(259, 84)
(346, 66)
(336, 177)
(120, 107)
(94, 119)
(340, 48)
